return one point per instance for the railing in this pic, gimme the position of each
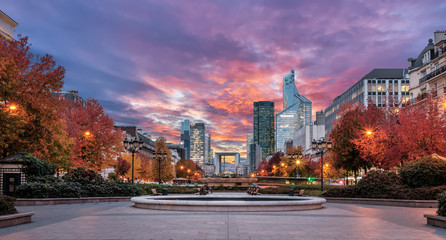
(432, 74)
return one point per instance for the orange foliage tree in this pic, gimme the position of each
(185, 168)
(27, 83)
(97, 143)
(165, 165)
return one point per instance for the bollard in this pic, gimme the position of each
(164, 191)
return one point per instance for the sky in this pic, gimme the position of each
(157, 63)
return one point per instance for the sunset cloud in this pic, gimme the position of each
(157, 63)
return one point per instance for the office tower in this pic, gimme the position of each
(185, 137)
(378, 86)
(207, 148)
(254, 157)
(263, 129)
(197, 143)
(296, 112)
(249, 141)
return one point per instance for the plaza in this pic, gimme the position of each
(120, 220)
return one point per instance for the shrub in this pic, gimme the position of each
(33, 166)
(83, 176)
(424, 172)
(442, 204)
(7, 205)
(49, 190)
(346, 191)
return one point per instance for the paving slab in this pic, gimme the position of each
(120, 220)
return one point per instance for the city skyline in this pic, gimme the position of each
(156, 64)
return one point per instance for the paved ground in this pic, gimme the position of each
(122, 221)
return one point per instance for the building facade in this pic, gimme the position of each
(427, 73)
(7, 26)
(296, 113)
(185, 137)
(263, 129)
(249, 141)
(380, 86)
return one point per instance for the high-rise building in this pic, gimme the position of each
(427, 71)
(7, 26)
(254, 157)
(380, 86)
(207, 147)
(264, 127)
(185, 137)
(197, 143)
(296, 112)
(249, 141)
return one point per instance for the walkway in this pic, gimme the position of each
(122, 221)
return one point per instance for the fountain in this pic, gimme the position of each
(228, 202)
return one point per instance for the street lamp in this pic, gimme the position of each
(160, 156)
(133, 146)
(321, 146)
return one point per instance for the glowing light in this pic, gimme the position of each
(282, 164)
(326, 165)
(297, 161)
(12, 107)
(274, 166)
(252, 175)
(87, 133)
(181, 167)
(188, 170)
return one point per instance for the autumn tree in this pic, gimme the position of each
(29, 113)
(97, 143)
(164, 164)
(344, 152)
(273, 164)
(122, 166)
(185, 168)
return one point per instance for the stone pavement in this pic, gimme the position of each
(119, 220)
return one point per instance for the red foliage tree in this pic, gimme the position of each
(97, 143)
(122, 166)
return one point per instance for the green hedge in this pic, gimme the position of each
(442, 204)
(74, 190)
(424, 172)
(7, 205)
(385, 185)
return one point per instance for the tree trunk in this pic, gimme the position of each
(356, 180)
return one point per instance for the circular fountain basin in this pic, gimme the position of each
(228, 202)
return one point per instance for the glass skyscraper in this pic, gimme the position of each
(185, 137)
(296, 112)
(264, 127)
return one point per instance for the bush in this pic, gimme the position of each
(74, 190)
(49, 190)
(83, 176)
(33, 166)
(424, 172)
(7, 205)
(442, 204)
(374, 185)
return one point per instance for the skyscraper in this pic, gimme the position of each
(197, 142)
(185, 137)
(264, 127)
(296, 112)
(207, 147)
(249, 141)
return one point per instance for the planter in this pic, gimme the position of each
(435, 220)
(15, 219)
(386, 202)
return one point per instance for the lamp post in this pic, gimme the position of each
(321, 146)
(133, 146)
(160, 156)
